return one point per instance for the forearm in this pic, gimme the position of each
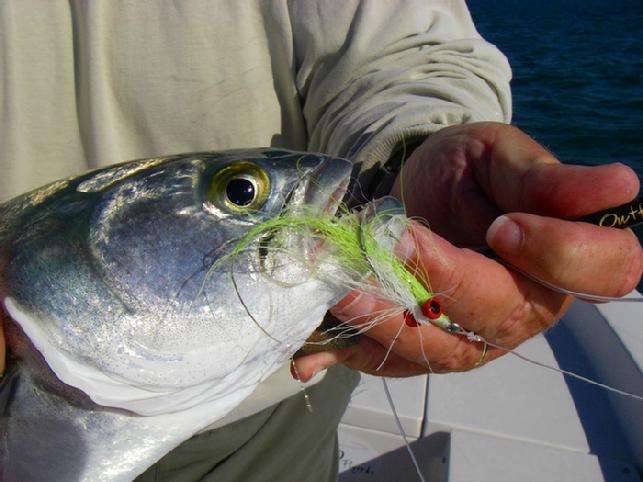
(380, 86)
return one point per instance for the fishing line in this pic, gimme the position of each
(426, 358)
(293, 367)
(390, 347)
(571, 374)
(389, 398)
(575, 294)
(627, 215)
(474, 337)
(245, 307)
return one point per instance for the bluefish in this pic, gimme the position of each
(128, 336)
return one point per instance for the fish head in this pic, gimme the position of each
(131, 284)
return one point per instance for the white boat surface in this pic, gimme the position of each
(512, 420)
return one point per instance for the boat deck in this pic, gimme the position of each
(513, 420)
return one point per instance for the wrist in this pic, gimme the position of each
(387, 174)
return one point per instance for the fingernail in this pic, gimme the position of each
(304, 374)
(313, 374)
(294, 372)
(504, 235)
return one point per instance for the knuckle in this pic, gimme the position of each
(522, 323)
(463, 357)
(446, 365)
(454, 282)
(509, 331)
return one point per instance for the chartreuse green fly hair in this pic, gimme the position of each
(357, 245)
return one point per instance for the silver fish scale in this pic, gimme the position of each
(128, 340)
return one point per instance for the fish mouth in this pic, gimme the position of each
(320, 187)
(317, 194)
(327, 183)
(325, 188)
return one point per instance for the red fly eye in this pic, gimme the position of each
(409, 319)
(431, 308)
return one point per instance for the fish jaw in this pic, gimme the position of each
(327, 185)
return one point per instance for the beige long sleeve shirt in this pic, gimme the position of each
(86, 83)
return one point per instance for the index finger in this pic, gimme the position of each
(575, 256)
(521, 175)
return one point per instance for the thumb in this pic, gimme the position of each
(577, 256)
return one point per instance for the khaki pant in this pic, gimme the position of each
(282, 443)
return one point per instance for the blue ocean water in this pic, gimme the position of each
(577, 75)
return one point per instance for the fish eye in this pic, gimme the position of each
(240, 191)
(240, 187)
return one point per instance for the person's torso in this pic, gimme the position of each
(86, 84)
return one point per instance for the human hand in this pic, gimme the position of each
(461, 180)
